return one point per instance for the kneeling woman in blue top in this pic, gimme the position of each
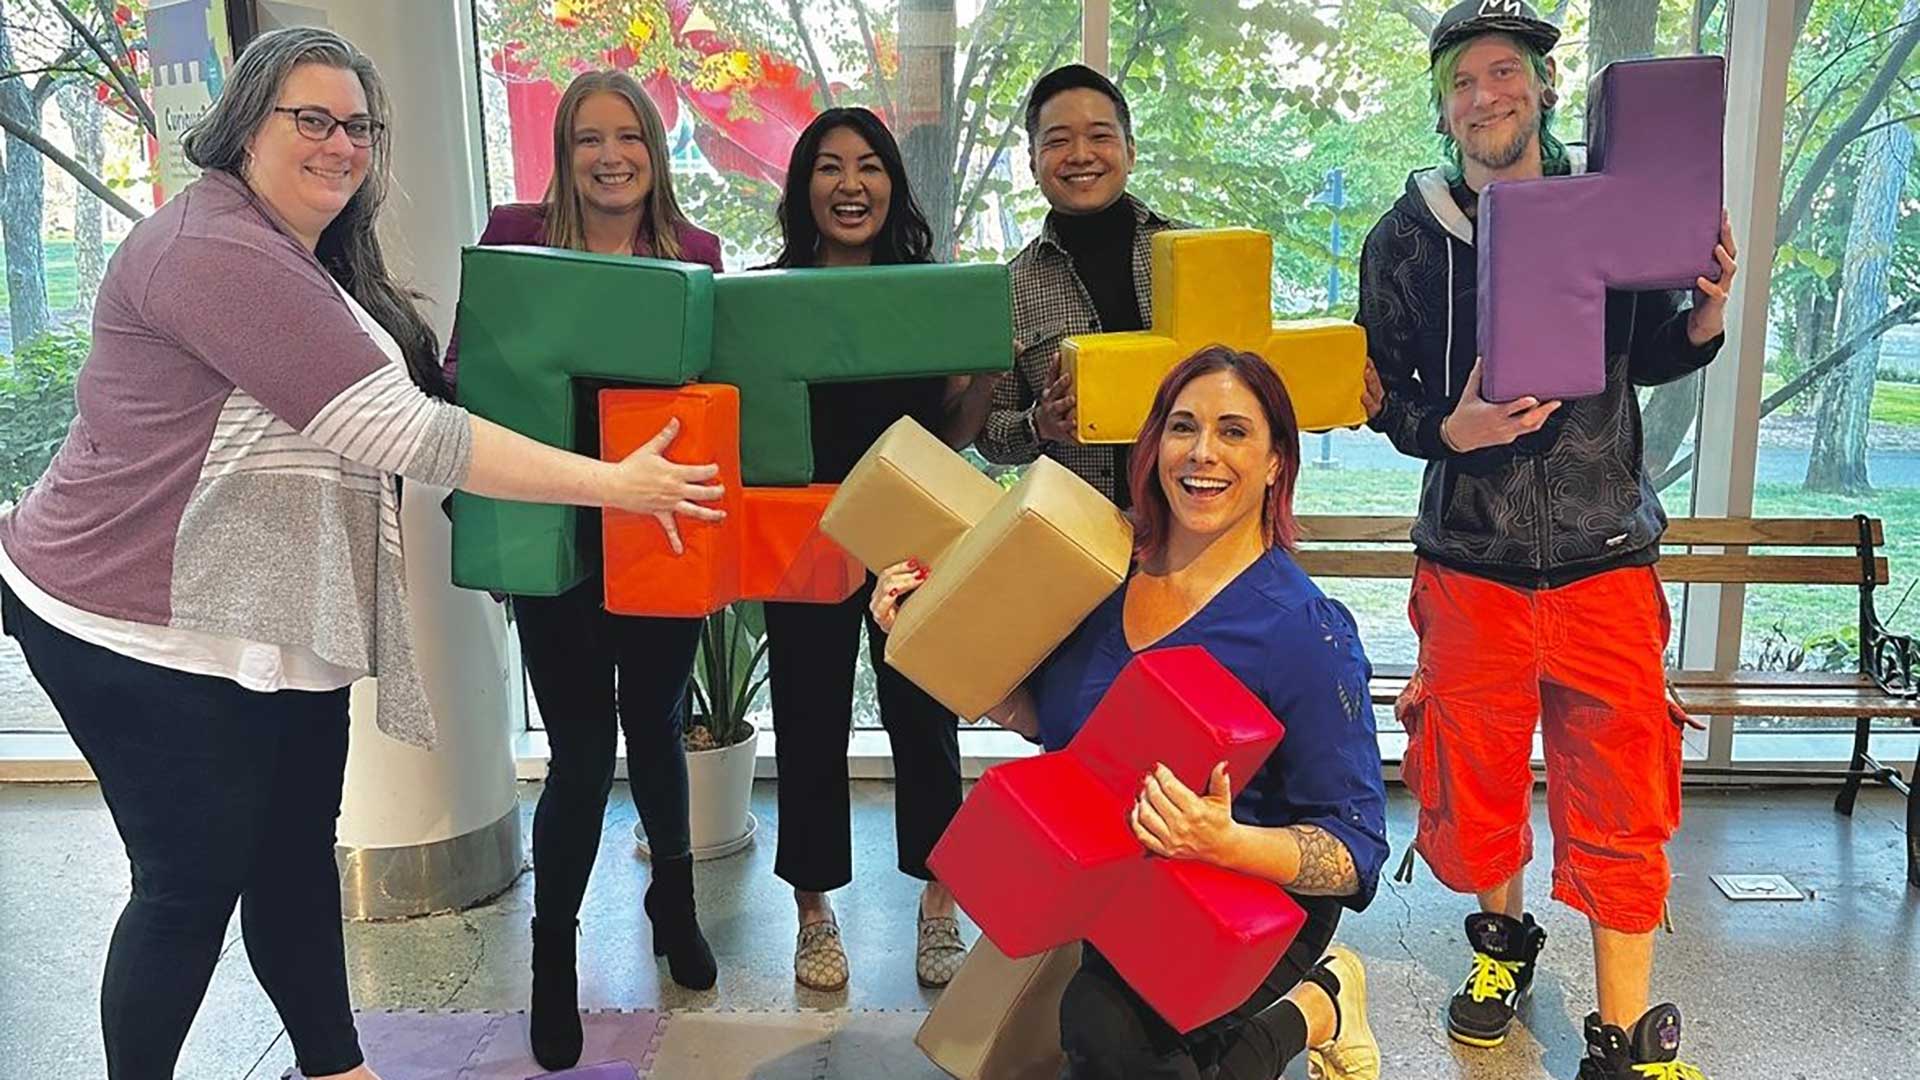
(1212, 480)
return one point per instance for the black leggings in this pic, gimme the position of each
(588, 666)
(1107, 1031)
(220, 794)
(810, 657)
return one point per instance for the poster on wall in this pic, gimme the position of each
(191, 49)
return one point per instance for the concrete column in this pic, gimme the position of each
(425, 831)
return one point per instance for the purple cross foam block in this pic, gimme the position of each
(1645, 216)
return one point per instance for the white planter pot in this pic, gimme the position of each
(719, 787)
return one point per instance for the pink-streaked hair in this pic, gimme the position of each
(1152, 517)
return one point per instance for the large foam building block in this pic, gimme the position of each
(534, 320)
(776, 332)
(783, 553)
(769, 547)
(1041, 854)
(1645, 216)
(531, 321)
(1213, 286)
(909, 497)
(1011, 590)
(643, 575)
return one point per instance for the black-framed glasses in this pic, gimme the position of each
(318, 125)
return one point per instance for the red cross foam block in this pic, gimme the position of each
(1041, 853)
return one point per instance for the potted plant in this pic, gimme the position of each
(720, 740)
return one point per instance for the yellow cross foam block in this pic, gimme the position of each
(1011, 573)
(1214, 286)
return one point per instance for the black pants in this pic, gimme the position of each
(587, 667)
(220, 794)
(1107, 1031)
(810, 657)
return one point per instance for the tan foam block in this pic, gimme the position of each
(909, 497)
(1011, 590)
(1323, 363)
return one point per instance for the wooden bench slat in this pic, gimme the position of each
(1734, 701)
(1752, 532)
(1769, 569)
(1769, 532)
(1771, 680)
(1679, 568)
(1739, 693)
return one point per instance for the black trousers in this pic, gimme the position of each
(221, 795)
(810, 655)
(595, 676)
(1109, 1033)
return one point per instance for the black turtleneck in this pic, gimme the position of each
(1101, 246)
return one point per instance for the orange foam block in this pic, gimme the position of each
(643, 575)
(785, 556)
(770, 546)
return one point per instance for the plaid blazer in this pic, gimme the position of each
(1050, 303)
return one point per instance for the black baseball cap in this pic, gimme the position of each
(1470, 18)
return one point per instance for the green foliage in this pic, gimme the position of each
(36, 405)
(727, 677)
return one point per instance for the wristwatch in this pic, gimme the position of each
(1026, 419)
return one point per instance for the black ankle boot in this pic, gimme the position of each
(554, 1028)
(676, 933)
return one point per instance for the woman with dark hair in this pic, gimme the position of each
(213, 557)
(1212, 477)
(847, 203)
(594, 674)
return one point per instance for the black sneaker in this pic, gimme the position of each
(1504, 951)
(1651, 1052)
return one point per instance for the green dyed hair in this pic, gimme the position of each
(1553, 152)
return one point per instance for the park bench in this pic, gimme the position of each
(1883, 687)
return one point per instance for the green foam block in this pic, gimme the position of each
(531, 321)
(776, 331)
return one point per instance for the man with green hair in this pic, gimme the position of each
(1535, 598)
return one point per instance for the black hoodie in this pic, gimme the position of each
(1568, 501)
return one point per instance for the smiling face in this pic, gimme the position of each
(1081, 155)
(849, 193)
(1494, 102)
(306, 181)
(1217, 458)
(612, 170)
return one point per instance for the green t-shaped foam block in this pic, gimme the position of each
(533, 320)
(776, 331)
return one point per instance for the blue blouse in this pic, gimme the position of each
(1300, 654)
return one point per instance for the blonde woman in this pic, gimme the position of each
(595, 674)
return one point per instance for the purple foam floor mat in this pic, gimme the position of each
(493, 1045)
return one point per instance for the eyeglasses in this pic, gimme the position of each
(318, 125)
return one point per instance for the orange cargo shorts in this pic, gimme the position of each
(1586, 663)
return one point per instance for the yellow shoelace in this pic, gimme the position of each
(1670, 1070)
(1492, 978)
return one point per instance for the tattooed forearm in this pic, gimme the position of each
(1326, 866)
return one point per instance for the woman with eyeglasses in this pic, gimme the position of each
(213, 555)
(597, 675)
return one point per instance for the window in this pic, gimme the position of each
(1840, 423)
(737, 81)
(56, 233)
